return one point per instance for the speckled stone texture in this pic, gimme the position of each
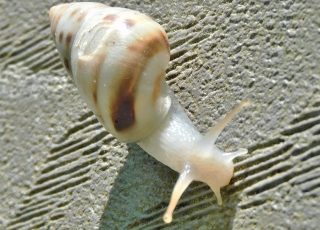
(59, 169)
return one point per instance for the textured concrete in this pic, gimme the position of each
(59, 169)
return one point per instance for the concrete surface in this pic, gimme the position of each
(59, 169)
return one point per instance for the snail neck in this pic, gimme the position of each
(172, 141)
(178, 144)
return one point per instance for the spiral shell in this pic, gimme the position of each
(117, 58)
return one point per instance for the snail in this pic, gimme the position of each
(117, 58)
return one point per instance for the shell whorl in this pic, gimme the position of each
(117, 58)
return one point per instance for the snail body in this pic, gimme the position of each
(117, 58)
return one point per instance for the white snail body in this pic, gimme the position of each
(117, 59)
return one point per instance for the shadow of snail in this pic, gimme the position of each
(140, 193)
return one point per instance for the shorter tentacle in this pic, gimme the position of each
(232, 155)
(216, 191)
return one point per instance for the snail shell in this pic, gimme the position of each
(117, 58)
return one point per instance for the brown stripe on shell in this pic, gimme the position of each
(61, 37)
(129, 22)
(78, 14)
(123, 115)
(81, 16)
(123, 109)
(67, 54)
(68, 40)
(74, 12)
(150, 46)
(55, 14)
(110, 17)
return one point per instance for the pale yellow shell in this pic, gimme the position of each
(117, 58)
